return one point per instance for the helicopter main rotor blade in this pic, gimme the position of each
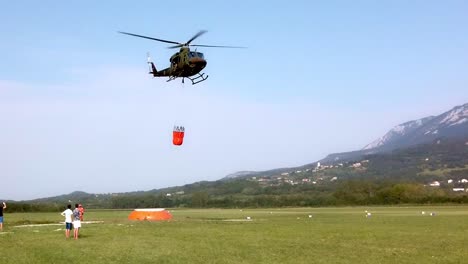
(213, 46)
(180, 45)
(196, 36)
(176, 46)
(140, 36)
(207, 46)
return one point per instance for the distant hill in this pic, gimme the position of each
(452, 124)
(71, 197)
(246, 174)
(240, 174)
(398, 133)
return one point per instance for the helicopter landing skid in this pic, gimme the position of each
(198, 79)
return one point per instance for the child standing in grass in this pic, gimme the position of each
(68, 220)
(81, 208)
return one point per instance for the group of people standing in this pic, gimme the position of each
(73, 217)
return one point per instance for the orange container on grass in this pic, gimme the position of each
(150, 214)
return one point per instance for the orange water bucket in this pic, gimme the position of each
(178, 135)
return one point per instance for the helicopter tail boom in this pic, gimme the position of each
(153, 69)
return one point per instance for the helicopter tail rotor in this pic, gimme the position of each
(152, 67)
(148, 57)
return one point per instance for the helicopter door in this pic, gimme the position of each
(175, 62)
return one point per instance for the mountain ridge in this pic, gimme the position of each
(450, 124)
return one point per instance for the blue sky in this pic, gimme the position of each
(79, 112)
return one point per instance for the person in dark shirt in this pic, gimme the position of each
(3, 206)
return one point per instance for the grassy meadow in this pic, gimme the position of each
(331, 235)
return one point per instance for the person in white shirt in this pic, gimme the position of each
(68, 220)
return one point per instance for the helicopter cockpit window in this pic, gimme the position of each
(194, 54)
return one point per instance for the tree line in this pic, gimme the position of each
(344, 193)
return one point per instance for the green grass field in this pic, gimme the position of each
(332, 235)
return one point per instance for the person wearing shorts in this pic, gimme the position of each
(3, 206)
(76, 221)
(68, 213)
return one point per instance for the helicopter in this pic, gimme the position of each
(185, 63)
